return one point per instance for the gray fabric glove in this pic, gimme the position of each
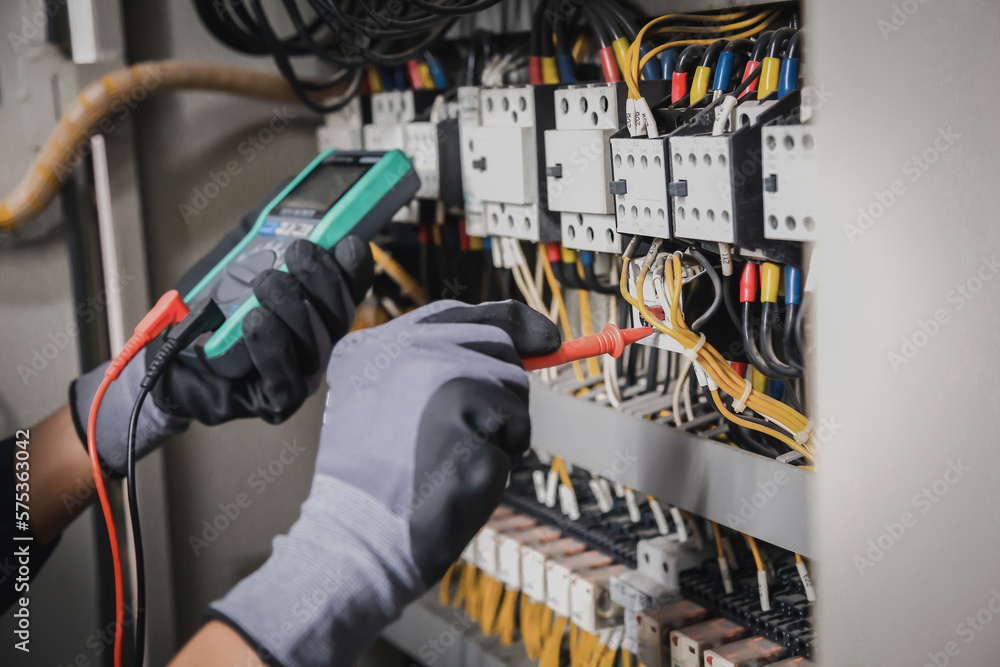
(425, 418)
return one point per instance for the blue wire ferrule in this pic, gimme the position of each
(775, 389)
(793, 286)
(667, 61)
(586, 257)
(400, 82)
(488, 243)
(437, 72)
(651, 70)
(723, 71)
(567, 68)
(789, 79)
(388, 78)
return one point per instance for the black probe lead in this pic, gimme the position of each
(207, 318)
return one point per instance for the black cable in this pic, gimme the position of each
(716, 285)
(689, 58)
(780, 38)
(795, 46)
(570, 276)
(727, 296)
(788, 339)
(750, 345)
(760, 46)
(619, 14)
(595, 285)
(713, 51)
(652, 366)
(767, 345)
(207, 318)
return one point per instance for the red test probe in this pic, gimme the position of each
(611, 340)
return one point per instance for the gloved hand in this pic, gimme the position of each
(289, 338)
(425, 418)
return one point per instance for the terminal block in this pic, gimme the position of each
(790, 203)
(688, 646)
(750, 652)
(654, 627)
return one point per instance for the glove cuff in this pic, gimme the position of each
(155, 425)
(341, 574)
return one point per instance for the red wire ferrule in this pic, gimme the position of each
(748, 283)
(750, 68)
(678, 86)
(413, 70)
(740, 368)
(609, 65)
(535, 75)
(553, 252)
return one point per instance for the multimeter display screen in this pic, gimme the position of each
(320, 190)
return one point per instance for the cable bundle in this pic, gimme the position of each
(346, 35)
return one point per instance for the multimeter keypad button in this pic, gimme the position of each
(238, 279)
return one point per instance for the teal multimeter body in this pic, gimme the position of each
(339, 193)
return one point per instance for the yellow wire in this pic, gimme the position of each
(560, 467)
(710, 359)
(633, 49)
(636, 64)
(505, 623)
(550, 652)
(756, 553)
(563, 317)
(392, 268)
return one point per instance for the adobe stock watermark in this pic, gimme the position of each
(249, 150)
(767, 490)
(33, 27)
(922, 503)
(257, 482)
(900, 15)
(462, 452)
(912, 171)
(55, 342)
(967, 630)
(956, 299)
(432, 649)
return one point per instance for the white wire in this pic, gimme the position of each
(678, 383)
(610, 368)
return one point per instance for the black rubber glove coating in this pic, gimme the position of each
(471, 436)
(279, 338)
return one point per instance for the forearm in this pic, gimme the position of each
(61, 483)
(217, 644)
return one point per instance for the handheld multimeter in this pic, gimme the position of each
(339, 193)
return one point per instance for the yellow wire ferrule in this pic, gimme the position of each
(770, 70)
(374, 79)
(620, 46)
(426, 78)
(770, 279)
(568, 255)
(550, 70)
(700, 82)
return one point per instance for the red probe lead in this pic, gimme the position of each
(611, 340)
